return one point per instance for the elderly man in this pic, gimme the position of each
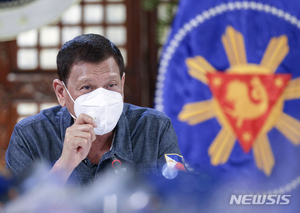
(92, 126)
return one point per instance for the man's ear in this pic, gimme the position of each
(59, 91)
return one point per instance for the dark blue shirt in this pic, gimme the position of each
(142, 138)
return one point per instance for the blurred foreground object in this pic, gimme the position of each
(229, 80)
(126, 193)
(8, 188)
(109, 193)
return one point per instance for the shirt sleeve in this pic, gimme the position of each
(18, 156)
(169, 153)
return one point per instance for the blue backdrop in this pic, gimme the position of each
(197, 30)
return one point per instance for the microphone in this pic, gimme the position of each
(117, 165)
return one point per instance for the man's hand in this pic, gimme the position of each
(77, 144)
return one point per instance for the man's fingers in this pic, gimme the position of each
(86, 128)
(80, 142)
(85, 119)
(88, 134)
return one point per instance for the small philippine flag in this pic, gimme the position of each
(175, 162)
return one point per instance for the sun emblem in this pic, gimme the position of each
(247, 100)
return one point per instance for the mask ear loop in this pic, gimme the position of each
(68, 91)
(71, 99)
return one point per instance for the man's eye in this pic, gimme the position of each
(86, 87)
(111, 85)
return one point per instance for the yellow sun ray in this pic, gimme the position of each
(292, 91)
(198, 112)
(198, 67)
(221, 147)
(289, 127)
(276, 51)
(202, 117)
(263, 154)
(233, 42)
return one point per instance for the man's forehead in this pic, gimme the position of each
(90, 78)
(110, 62)
(107, 67)
(104, 76)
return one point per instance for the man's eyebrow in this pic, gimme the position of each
(84, 80)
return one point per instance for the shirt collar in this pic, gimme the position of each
(65, 122)
(122, 142)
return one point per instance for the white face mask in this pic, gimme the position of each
(103, 105)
